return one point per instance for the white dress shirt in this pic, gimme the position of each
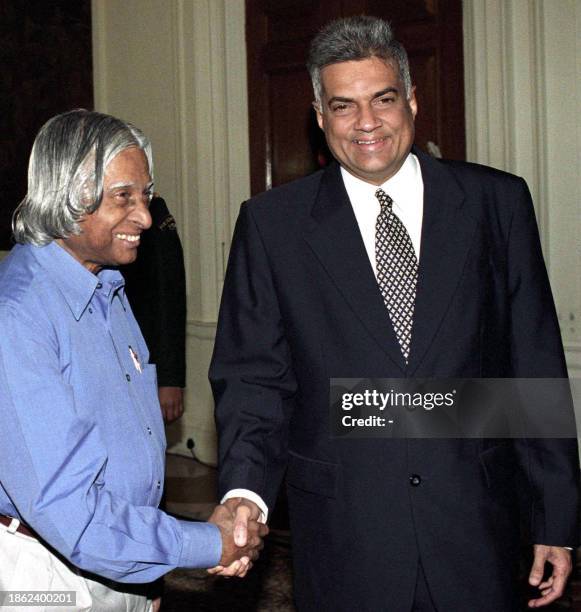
(406, 189)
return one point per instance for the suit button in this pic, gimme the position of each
(415, 480)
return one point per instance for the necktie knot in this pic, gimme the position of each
(385, 201)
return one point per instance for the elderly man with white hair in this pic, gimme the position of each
(82, 453)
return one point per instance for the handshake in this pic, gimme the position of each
(242, 534)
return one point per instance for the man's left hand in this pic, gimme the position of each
(171, 400)
(552, 588)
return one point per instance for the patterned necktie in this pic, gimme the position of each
(397, 270)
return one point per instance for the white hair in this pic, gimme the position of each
(66, 172)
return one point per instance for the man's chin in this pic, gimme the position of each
(374, 175)
(125, 260)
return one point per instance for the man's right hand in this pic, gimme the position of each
(236, 559)
(171, 400)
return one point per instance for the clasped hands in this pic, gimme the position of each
(242, 535)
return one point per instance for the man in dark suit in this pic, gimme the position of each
(389, 264)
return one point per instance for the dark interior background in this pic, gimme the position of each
(45, 68)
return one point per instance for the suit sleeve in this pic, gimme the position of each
(536, 352)
(251, 371)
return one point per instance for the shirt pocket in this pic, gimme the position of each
(149, 376)
(149, 395)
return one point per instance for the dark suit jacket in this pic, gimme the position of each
(156, 287)
(301, 305)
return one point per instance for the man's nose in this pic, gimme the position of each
(141, 214)
(367, 119)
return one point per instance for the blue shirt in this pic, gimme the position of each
(83, 444)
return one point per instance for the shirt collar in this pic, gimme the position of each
(74, 281)
(397, 187)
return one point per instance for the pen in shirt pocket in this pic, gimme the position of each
(135, 359)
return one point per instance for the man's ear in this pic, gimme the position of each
(413, 103)
(319, 112)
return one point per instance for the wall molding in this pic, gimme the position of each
(573, 357)
(99, 33)
(505, 93)
(201, 330)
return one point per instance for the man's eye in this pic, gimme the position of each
(339, 107)
(386, 101)
(122, 198)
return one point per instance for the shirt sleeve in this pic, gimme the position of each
(251, 496)
(53, 468)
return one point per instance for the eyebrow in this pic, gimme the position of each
(387, 90)
(377, 94)
(121, 184)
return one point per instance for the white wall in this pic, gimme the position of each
(177, 68)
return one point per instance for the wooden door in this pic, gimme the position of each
(46, 69)
(285, 141)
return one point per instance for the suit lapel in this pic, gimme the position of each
(447, 232)
(335, 239)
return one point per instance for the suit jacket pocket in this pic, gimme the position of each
(500, 466)
(312, 475)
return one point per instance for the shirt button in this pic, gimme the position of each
(127, 377)
(415, 480)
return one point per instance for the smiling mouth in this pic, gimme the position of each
(369, 142)
(128, 237)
